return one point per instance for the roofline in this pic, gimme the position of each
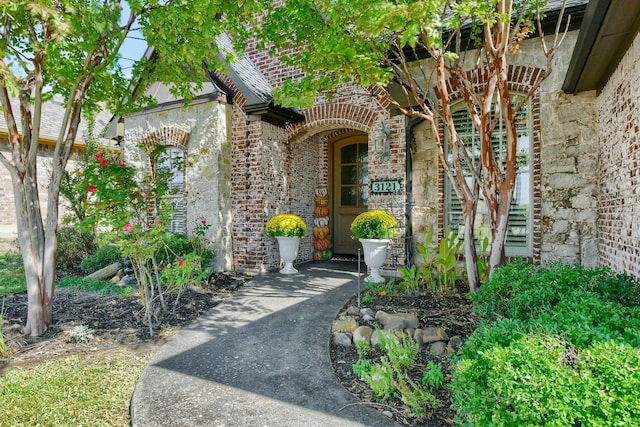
(593, 17)
(609, 28)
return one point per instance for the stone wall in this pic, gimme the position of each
(204, 129)
(569, 178)
(619, 126)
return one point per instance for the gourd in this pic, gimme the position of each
(321, 212)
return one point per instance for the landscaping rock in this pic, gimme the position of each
(418, 337)
(397, 321)
(454, 344)
(342, 338)
(368, 318)
(375, 339)
(432, 334)
(367, 312)
(106, 273)
(348, 324)
(353, 311)
(363, 333)
(438, 348)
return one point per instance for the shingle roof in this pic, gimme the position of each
(52, 116)
(245, 75)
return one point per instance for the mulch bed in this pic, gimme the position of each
(115, 321)
(452, 312)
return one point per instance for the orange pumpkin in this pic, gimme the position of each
(320, 232)
(318, 255)
(321, 212)
(321, 244)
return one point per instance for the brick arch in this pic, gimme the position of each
(520, 78)
(168, 135)
(328, 117)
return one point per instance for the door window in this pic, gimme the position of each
(354, 176)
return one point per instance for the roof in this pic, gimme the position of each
(255, 88)
(52, 115)
(608, 30)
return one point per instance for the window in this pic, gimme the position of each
(354, 176)
(170, 170)
(518, 241)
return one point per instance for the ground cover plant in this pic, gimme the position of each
(557, 345)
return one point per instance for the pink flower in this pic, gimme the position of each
(128, 228)
(91, 188)
(99, 156)
(204, 222)
(181, 262)
(123, 163)
(103, 163)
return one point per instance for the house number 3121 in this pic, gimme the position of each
(385, 186)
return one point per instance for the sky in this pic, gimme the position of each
(133, 47)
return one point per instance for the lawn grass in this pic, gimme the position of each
(91, 285)
(11, 274)
(72, 391)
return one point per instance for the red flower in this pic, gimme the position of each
(103, 163)
(128, 228)
(99, 156)
(123, 163)
(204, 222)
(181, 262)
(91, 188)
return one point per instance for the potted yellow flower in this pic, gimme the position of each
(288, 229)
(374, 229)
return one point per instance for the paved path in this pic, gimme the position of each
(260, 358)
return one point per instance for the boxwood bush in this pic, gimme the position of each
(558, 345)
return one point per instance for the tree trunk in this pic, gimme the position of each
(497, 256)
(39, 265)
(470, 253)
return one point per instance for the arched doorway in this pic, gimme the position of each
(349, 187)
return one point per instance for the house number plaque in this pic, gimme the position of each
(386, 186)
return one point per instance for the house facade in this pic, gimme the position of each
(247, 159)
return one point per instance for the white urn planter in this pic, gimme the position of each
(375, 254)
(288, 252)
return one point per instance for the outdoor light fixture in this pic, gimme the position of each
(119, 132)
(383, 142)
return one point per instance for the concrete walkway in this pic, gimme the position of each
(260, 358)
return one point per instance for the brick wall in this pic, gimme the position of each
(619, 127)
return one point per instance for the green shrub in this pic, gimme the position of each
(103, 257)
(175, 246)
(542, 380)
(522, 290)
(74, 245)
(559, 345)
(432, 377)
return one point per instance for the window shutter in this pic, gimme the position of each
(518, 240)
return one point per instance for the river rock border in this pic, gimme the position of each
(356, 324)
